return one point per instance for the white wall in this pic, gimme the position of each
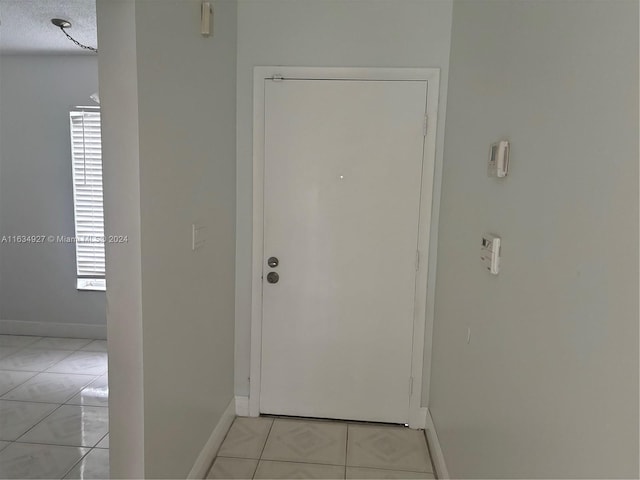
(548, 385)
(117, 62)
(38, 282)
(357, 33)
(183, 314)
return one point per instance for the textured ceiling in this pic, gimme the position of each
(26, 26)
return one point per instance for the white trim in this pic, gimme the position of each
(50, 329)
(210, 450)
(423, 317)
(420, 419)
(242, 406)
(435, 449)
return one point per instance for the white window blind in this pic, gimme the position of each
(86, 152)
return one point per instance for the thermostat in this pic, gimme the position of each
(499, 159)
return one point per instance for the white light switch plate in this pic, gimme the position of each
(198, 236)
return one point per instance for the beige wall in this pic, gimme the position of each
(548, 385)
(183, 305)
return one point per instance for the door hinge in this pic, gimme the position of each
(425, 125)
(410, 385)
(417, 260)
(277, 77)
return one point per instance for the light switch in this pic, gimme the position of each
(198, 236)
(490, 253)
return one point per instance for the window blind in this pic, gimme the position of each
(86, 152)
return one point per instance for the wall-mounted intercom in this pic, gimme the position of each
(490, 253)
(499, 159)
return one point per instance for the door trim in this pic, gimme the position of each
(423, 320)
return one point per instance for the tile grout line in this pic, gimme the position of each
(292, 461)
(20, 384)
(56, 362)
(76, 463)
(221, 444)
(105, 436)
(38, 422)
(66, 400)
(346, 452)
(53, 444)
(273, 421)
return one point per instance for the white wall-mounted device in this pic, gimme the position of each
(499, 159)
(490, 253)
(205, 19)
(198, 236)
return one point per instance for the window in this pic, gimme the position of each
(86, 153)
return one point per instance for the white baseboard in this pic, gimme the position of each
(49, 329)
(210, 450)
(242, 406)
(434, 448)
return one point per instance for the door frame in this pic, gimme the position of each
(423, 316)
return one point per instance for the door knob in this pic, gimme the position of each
(273, 262)
(273, 277)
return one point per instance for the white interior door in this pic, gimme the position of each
(342, 179)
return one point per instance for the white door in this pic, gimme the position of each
(342, 179)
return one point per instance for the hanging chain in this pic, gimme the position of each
(77, 42)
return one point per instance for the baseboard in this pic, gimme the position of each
(434, 448)
(242, 406)
(49, 329)
(210, 450)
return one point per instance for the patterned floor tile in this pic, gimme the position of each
(96, 346)
(311, 442)
(71, 425)
(246, 438)
(233, 468)
(268, 469)
(18, 417)
(375, 473)
(95, 465)
(49, 388)
(88, 363)
(104, 443)
(10, 379)
(33, 360)
(23, 460)
(95, 394)
(17, 340)
(392, 448)
(54, 343)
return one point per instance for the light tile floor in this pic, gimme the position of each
(53, 408)
(292, 449)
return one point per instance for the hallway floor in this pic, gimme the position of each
(288, 448)
(53, 408)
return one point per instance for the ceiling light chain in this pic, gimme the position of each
(64, 24)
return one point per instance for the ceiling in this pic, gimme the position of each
(26, 27)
